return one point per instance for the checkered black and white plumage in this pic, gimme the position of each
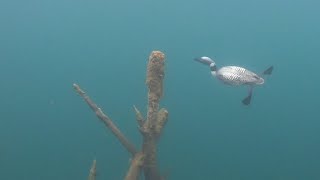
(234, 75)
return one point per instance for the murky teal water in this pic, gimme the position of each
(47, 132)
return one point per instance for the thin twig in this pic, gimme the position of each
(139, 116)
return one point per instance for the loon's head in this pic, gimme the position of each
(205, 60)
(209, 62)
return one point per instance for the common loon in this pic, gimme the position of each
(235, 75)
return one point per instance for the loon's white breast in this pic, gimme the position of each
(234, 75)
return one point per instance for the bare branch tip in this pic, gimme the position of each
(93, 170)
(135, 108)
(78, 89)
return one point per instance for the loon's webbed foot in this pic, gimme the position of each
(246, 101)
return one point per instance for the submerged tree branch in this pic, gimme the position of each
(135, 167)
(154, 81)
(93, 171)
(150, 127)
(107, 121)
(162, 119)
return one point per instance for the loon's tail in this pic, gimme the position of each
(205, 60)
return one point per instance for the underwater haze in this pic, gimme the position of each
(47, 132)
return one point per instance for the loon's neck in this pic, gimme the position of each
(213, 69)
(214, 73)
